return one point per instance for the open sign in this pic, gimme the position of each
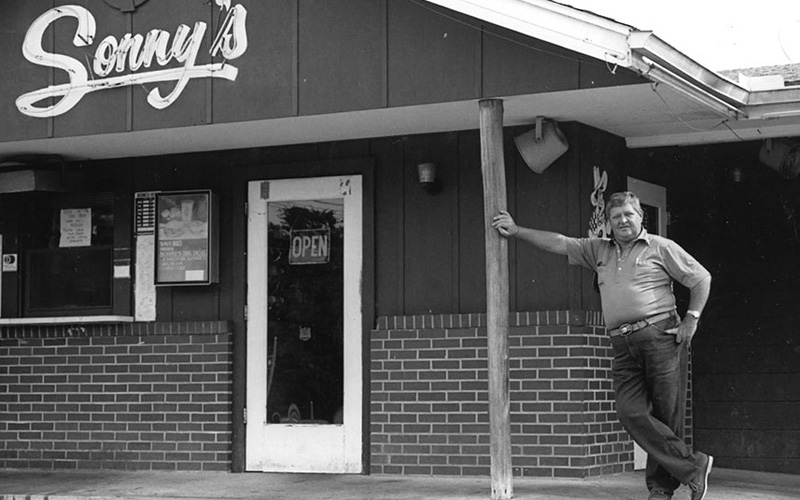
(310, 246)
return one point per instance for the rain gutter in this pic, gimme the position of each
(662, 63)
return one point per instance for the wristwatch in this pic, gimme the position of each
(694, 314)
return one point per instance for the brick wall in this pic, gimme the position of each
(429, 396)
(122, 396)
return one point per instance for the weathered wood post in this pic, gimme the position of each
(494, 200)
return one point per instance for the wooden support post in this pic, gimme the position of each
(494, 200)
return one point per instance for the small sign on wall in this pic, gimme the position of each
(186, 238)
(10, 263)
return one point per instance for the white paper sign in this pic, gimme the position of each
(76, 227)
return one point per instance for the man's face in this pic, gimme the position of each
(626, 223)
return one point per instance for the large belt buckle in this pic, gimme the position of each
(625, 329)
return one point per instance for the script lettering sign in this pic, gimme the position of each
(127, 61)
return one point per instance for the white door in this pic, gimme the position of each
(653, 199)
(304, 363)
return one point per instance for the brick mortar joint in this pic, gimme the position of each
(572, 317)
(135, 329)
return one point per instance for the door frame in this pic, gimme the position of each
(655, 196)
(296, 445)
(233, 271)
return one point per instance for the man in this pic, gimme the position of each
(635, 274)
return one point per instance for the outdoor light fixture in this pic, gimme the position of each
(781, 156)
(541, 146)
(427, 177)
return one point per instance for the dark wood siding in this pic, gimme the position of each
(114, 105)
(26, 77)
(304, 57)
(268, 70)
(515, 64)
(432, 58)
(542, 204)
(745, 370)
(471, 254)
(341, 56)
(192, 107)
(429, 248)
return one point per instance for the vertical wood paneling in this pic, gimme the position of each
(542, 278)
(343, 149)
(9, 229)
(514, 64)
(304, 57)
(471, 255)
(99, 112)
(341, 55)
(389, 225)
(27, 77)
(429, 225)
(123, 238)
(191, 107)
(199, 171)
(267, 79)
(450, 67)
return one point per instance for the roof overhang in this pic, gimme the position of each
(683, 102)
(736, 113)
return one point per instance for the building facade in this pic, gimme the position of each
(218, 253)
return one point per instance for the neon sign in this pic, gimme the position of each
(112, 57)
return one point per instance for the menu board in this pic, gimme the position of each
(185, 238)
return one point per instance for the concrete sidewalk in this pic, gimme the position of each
(16, 484)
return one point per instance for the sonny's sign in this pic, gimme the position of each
(134, 53)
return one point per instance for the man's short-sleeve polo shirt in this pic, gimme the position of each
(638, 285)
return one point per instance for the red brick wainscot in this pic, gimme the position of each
(141, 396)
(429, 396)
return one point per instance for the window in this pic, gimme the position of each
(66, 246)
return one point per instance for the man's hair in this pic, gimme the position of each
(622, 199)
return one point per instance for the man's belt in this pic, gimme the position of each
(629, 328)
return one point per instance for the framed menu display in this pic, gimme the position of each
(186, 238)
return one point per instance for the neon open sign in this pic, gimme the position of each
(113, 56)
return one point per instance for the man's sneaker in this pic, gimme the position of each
(659, 495)
(699, 484)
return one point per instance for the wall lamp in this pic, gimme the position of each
(781, 156)
(427, 177)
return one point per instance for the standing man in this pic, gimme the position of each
(635, 273)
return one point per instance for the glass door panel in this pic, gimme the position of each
(304, 325)
(305, 318)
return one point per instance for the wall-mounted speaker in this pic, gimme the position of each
(541, 146)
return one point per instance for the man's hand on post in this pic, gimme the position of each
(505, 224)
